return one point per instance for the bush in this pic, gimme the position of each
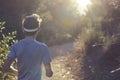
(90, 37)
(90, 47)
(5, 42)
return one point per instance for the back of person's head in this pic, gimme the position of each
(31, 24)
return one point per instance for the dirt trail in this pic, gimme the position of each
(61, 71)
(61, 50)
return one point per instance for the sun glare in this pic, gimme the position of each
(82, 5)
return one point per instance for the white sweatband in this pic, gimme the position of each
(31, 30)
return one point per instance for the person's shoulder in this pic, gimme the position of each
(41, 44)
(17, 43)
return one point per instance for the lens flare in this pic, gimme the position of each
(82, 5)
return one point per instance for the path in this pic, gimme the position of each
(61, 71)
(61, 50)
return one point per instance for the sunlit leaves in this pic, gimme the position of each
(68, 23)
(47, 16)
(82, 6)
(5, 42)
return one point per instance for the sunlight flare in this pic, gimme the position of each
(82, 5)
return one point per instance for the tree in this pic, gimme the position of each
(57, 15)
(111, 20)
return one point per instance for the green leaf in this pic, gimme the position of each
(3, 23)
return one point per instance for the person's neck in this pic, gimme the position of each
(30, 37)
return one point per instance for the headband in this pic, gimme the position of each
(31, 30)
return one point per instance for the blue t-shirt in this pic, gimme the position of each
(30, 54)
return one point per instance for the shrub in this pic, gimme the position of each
(5, 42)
(90, 37)
(90, 46)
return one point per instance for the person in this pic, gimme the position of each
(29, 53)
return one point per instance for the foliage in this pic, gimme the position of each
(92, 43)
(111, 20)
(59, 18)
(99, 24)
(58, 23)
(6, 41)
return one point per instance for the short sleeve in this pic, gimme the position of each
(12, 53)
(46, 58)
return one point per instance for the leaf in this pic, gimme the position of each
(3, 23)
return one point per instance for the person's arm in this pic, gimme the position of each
(6, 68)
(46, 61)
(48, 69)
